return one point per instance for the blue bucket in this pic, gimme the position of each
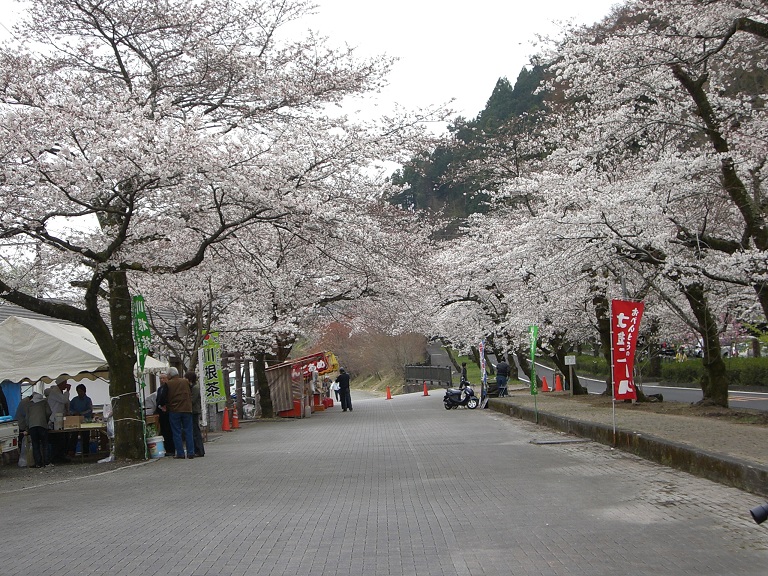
(156, 446)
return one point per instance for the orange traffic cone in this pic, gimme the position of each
(558, 383)
(235, 419)
(544, 387)
(389, 394)
(225, 425)
(426, 391)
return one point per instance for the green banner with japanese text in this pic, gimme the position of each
(142, 335)
(212, 378)
(533, 332)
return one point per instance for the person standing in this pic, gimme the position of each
(36, 425)
(21, 417)
(502, 377)
(335, 387)
(463, 371)
(343, 381)
(81, 405)
(161, 402)
(58, 400)
(180, 413)
(197, 411)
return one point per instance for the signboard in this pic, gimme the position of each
(625, 324)
(211, 377)
(142, 335)
(570, 360)
(320, 363)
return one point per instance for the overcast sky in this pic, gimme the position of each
(446, 49)
(450, 49)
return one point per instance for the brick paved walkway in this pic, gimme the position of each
(396, 487)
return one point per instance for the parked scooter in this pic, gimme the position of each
(461, 396)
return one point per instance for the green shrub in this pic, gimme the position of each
(688, 372)
(747, 371)
(741, 371)
(592, 365)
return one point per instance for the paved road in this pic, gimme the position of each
(687, 394)
(396, 487)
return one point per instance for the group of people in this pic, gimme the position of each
(178, 403)
(37, 415)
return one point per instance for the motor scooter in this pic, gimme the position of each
(461, 396)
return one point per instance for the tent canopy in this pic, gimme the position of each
(34, 350)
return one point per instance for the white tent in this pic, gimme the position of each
(40, 350)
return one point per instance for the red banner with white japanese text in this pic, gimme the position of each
(625, 327)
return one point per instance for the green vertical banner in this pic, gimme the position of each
(533, 333)
(209, 357)
(141, 332)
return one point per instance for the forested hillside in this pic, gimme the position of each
(438, 181)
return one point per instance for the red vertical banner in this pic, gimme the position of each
(625, 326)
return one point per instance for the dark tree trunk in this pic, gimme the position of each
(603, 318)
(453, 360)
(523, 359)
(559, 350)
(265, 398)
(714, 383)
(119, 351)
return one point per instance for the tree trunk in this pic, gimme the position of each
(559, 351)
(603, 318)
(714, 383)
(653, 350)
(265, 398)
(523, 359)
(119, 351)
(453, 360)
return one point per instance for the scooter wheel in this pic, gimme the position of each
(473, 402)
(447, 406)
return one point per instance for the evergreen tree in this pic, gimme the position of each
(438, 181)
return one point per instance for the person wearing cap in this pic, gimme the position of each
(343, 380)
(58, 400)
(36, 427)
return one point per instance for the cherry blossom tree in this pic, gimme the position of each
(138, 136)
(662, 115)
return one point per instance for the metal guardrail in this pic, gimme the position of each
(434, 375)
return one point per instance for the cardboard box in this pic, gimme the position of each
(72, 422)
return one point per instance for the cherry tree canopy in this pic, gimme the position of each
(136, 136)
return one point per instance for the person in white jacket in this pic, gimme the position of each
(58, 400)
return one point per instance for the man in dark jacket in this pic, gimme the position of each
(502, 377)
(346, 399)
(180, 413)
